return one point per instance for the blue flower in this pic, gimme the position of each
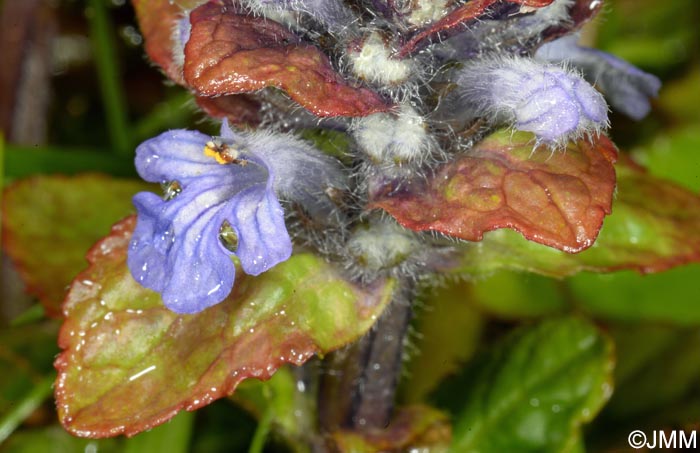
(220, 201)
(553, 103)
(627, 88)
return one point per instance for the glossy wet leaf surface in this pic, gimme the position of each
(49, 222)
(130, 364)
(231, 53)
(534, 391)
(655, 225)
(502, 181)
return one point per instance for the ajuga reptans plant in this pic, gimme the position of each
(413, 84)
(381, 138)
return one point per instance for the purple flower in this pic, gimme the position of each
(627, 88)
(551, 102)
(219, 202)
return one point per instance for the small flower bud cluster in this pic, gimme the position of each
(555, 104)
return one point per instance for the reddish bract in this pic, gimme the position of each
(157, 19)
(457, 18)
(240, 109)
(232, 53)
(555, 198)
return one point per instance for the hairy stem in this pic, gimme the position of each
(359, 386)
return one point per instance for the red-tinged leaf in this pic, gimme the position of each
(157, 19)
(240, 109)
(554, 198)
(655, 225)
(456, 19)
(413, 428)
(129, 363)
(49, 222)
(231, 53)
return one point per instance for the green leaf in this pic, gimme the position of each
(534, 391)
(129, 363)
(49, 222)
(658, 382)
(650, 355)
(655, 225)
(557, 199)
(230, 53)
(627, 296)
(515, 295)
(673, 155)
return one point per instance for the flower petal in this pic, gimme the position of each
(176, 247)
(201, 269)
(175, 155)
(258, 220)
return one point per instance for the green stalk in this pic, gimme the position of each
(262, 431)
(113, 96)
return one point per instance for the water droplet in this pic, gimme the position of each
(171, 189)
(228, 237)
(214, 289)
(142, 372)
